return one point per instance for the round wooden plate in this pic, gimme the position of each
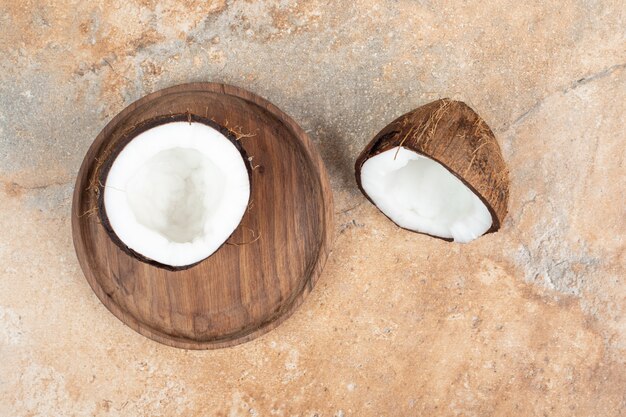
(248, 286)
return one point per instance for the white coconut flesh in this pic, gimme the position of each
(176, 192)
(420, 194)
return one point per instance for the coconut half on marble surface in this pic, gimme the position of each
(437, 170)
(174, 191)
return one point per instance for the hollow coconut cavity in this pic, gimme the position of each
(418, 193)
(176, 192)
(437, 170)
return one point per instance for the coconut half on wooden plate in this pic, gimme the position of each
(188, 217)
(175, 192)
(437, 170)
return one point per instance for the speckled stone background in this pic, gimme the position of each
(528, 321)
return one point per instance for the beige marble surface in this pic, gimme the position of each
(528, 321)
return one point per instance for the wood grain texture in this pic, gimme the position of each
(242, 290)
(454, 135)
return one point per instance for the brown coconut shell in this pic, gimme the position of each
(451, 133)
